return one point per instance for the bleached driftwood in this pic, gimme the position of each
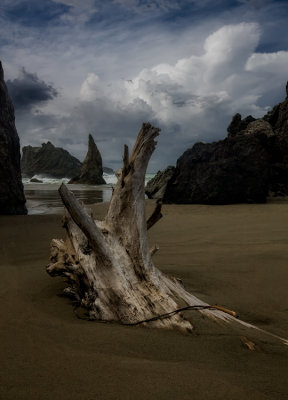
(108, 264)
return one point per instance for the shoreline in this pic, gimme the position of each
(45, 199)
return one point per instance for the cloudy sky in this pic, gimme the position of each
(75, 67)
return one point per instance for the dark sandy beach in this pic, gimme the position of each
(235, 256)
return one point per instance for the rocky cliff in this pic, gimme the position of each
(49, 160)
(234, 170)
(247, 166)
(92, 169)
(12, 199)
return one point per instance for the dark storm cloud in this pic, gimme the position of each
(28, 91)
(33, 12)
(255, 3)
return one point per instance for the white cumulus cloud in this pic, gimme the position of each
(193, 86)
(275, 63)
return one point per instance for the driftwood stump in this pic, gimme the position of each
(108, 264)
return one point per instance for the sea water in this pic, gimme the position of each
(43, 198)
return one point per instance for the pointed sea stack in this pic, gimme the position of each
(12, 199)
(92, 169)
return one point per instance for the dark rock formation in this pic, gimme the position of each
(234, 170)
(12, 199)
(156, 187)
(249, 164)
(92, 170)
(35, 180)
(49, 161)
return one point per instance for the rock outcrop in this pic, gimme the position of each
(12, 199)
(238, 124)
(156, 187)
(49, 161)
(234, 170)
(92, 169)
(247, 166)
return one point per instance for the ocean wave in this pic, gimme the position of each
(45, 179)
(110, 179)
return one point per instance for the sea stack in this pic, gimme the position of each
(12, 199)
(49, 161)
(92, 169)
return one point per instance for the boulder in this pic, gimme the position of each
(35, 180)
(92, 171)
(49, 161)
(258, 127)
(156, 187)
(12, 199)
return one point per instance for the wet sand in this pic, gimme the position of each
(235, 256)
(44, 198)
